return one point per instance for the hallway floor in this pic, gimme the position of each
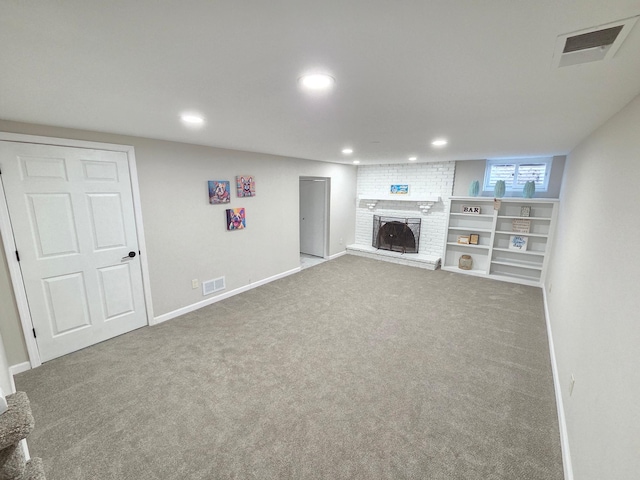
(307, 260)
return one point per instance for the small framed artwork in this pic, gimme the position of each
(219, 192)
(246, 186)
(525, 211)
(520, 225)
(236, 219)
(518, 242)
(475, 209)
(463, 239)
(474, 239)
(399, 190)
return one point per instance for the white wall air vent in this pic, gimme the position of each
(213, 286)
(592, 44)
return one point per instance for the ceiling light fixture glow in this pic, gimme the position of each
(317, 81)
(347, 151)
(356, 162)
(192, 119)
(413, 159)
(439, 142)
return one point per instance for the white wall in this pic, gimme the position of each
(186, 236)
(593, 290)
(5, 381)
(424, 179)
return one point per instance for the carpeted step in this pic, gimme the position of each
(34, 470)
(12, 463)
(17, 422)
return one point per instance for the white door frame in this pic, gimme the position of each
(327, 210)
(10, 247)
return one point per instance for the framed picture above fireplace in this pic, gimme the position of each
(399, 189)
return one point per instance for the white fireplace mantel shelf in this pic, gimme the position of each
(423, 203)
(399, 198)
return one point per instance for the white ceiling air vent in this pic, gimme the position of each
(592, 44)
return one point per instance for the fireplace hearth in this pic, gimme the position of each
(396, 234)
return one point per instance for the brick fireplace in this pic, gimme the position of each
(430, 186)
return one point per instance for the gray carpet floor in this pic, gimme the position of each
(352, 369)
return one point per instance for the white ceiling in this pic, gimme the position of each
(476, 72)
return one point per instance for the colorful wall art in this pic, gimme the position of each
(246, 186)
(219, 192)
(236, 219)
(399, 190)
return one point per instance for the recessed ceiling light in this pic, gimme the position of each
(317, 81)
(356, 162)
(439, 142)
(192, 119)
(347, 151)
(413, 159)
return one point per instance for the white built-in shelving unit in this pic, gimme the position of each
(492, 256)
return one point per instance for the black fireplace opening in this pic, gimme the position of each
(396, 234)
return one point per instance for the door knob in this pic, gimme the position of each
(129, 255)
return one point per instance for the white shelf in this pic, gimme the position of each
(519, 252)
(492, 259)
(456, 244)
(531, 266)
(471, 229)
(506, 200)
(475, 215)
(504, 232)
(478, 273)
(524, 218)
(521, 279)
(473, 199)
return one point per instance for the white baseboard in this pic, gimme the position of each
(19, 368)
(16, 369)
(25, 449)
(562, 424)
(196, 306)
(339, 254)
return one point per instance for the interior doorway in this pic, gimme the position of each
(314, 219)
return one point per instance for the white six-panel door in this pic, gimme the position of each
(72, 215)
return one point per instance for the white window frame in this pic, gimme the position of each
(517, 162)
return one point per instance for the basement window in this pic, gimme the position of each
(516, 172)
